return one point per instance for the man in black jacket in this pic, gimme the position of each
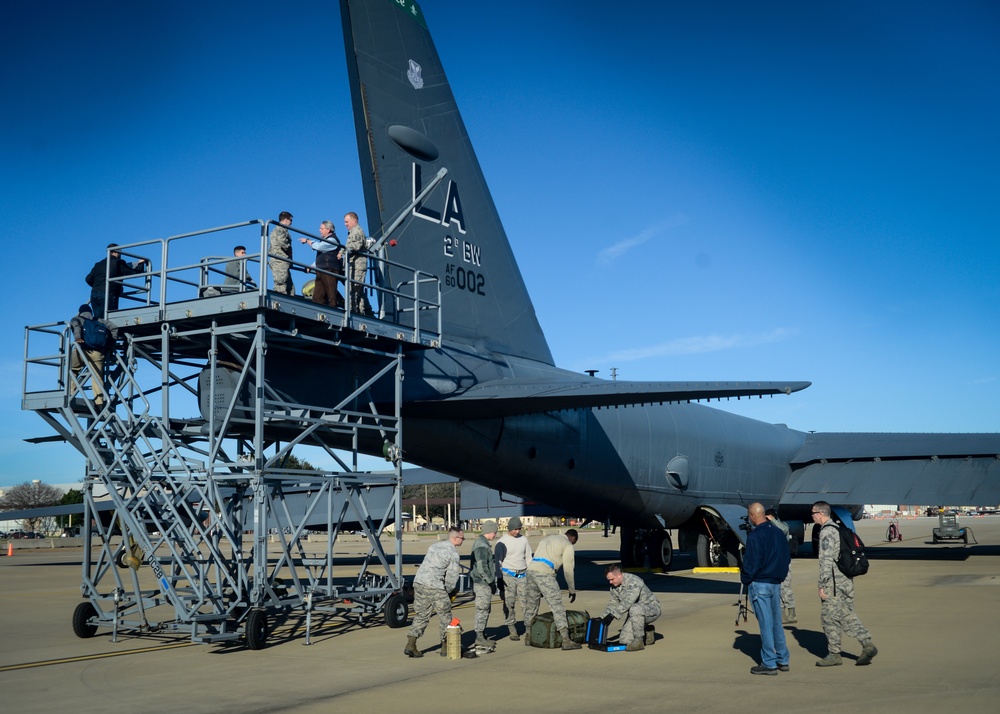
(111, 267)
(765, 565)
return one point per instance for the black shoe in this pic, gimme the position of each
(761, 669)
(782, 667)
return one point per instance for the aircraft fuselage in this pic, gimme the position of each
(616, 457)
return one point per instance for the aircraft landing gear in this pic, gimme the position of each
(633, 548)
(638, 543)
(661, 550)
(718, 553)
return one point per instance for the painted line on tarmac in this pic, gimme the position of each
(86, 658)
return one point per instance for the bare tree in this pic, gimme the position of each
(30, 494)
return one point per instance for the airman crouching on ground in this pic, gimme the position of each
(630, 599)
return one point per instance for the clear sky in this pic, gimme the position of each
(694, 190)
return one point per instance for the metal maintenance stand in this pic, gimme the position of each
(203, 520)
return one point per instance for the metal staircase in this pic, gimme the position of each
(204, 521)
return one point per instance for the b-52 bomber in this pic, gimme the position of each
(486, 402)
(491, 406)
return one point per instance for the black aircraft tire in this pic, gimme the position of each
(661, 550)
(256, 630)
(395, 611)
(120, 557)
(82, 627)
(708, 555)
(735, 553)
(717, 556)
(631, 548)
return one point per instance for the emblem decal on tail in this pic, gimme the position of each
(414, 75)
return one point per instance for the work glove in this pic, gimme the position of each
(572, 597)
(493, 588)
(608, 619)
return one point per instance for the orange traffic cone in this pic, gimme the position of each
(10, 549)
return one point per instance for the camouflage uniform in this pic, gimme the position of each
(436, 577)
(512, 567)
(484, 578)
(633, 600)
(787, 596)
(281, 245)
(358, 262)
(553, 551)
(836, 613)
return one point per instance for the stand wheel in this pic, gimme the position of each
(256, 630)
(395, 611)
(82, 627)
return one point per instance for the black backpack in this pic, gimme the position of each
(96, 334)
(852, 561)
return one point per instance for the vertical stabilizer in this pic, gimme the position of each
(409, 128)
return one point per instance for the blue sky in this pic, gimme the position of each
(693, 190)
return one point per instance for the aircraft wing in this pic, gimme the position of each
(51, 511)
(508, 397)
(952, 469)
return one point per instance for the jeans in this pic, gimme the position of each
(766, 599)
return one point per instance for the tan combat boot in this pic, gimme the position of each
(411, 648)
(831, 660)
(867, 653)
(567, 643)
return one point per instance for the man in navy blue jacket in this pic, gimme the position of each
(765, 565)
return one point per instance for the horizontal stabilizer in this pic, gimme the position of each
(70, 509)
(525, 396)
(421, 477)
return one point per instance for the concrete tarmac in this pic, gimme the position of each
(934, 612)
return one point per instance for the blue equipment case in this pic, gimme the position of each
(597, 635)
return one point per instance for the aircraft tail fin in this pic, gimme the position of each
(408, 129)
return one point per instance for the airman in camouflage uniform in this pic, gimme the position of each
(484, 580)
(357, 244)
(836, 593)
(631, 599)
(554, 552)
(436, 579)
(281, 246)
(788, 616)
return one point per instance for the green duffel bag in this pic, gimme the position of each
(543, 632)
